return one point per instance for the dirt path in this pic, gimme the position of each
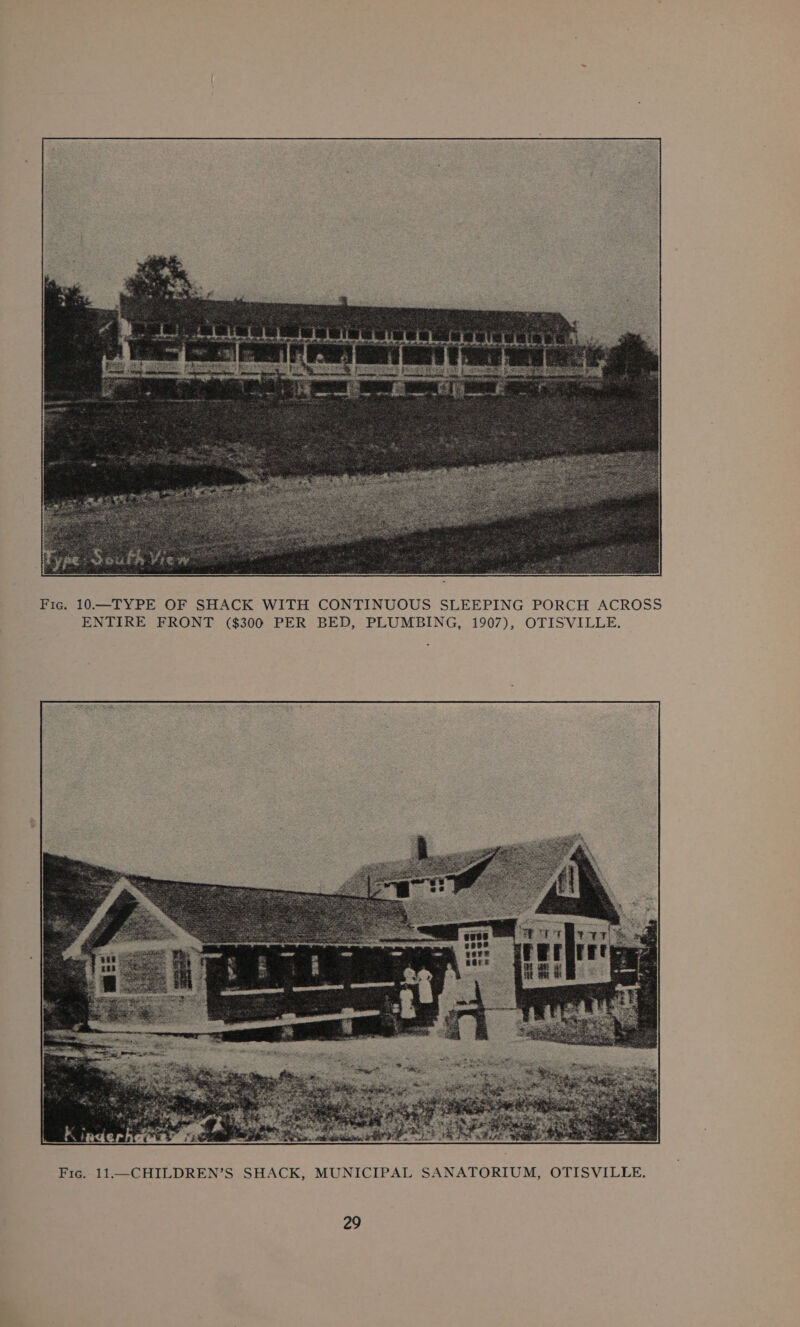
(362, 1054)
(209, 529)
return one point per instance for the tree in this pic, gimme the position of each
(648, 975)
(595, 352)
(163, 278)
(73, 346)
(631, 356)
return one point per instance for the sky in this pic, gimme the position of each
(299, 796)
(568, 226)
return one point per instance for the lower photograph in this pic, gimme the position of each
(315, 922)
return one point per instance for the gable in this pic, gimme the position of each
(589, 901)
(130, 923)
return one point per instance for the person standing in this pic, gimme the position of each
(424, 989)
(407, 1010)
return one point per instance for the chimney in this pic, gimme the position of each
(419, 848)
(343, 301)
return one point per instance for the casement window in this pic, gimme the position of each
(476, 948)
(181, 970)
(567, 885)
(108, 975)
(437, 886)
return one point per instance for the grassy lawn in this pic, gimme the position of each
(370, 1090)
(623, 535)
(129, 447)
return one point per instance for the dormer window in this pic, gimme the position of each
(437, 886)
(567, 885)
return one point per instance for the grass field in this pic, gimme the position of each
(366, 1090)
(94, 449)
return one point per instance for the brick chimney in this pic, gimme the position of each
(419, 848)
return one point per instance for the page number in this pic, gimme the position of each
(352, 1222)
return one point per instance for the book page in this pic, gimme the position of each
(397, 655)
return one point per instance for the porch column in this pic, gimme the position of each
(182, 358)
(353, 363)
(460, 364)
(397, 971)
(544, 359)
(346, 972)
(584, 362)
(400, 360)
(288, 1016)
(236, 357)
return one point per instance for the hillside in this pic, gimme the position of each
(70, 893)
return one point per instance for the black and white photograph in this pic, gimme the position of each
(351, 356)
(376, 922)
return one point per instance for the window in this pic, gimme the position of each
(334, 333)
(536, 340)
(221, 329)
(232, 969)
(579, 953)
(379, 336)
(397, 336)
(602, 951)
(402, 889)
(469, 336)
(556, 962)
(108, 974)
(436, 886)
(480, 336)
(567, 885)
(455, 336)
(322, 333)
(591, 952)
(476, 945)
(352, 333)
(439, 334)
(206, 330)
(241, 331)
(262, 969)
(181, 970)
(423, 336)
(291, 332)
(169, 329)
(307, 332)
(257, 333)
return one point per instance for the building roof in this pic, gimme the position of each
(515, 877)
(379, 317)
(231, 914)
(366, 878)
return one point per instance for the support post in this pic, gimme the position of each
(585, 366)
(544, 359)
(287, 972)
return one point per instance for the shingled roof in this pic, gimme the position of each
(231, 914)
(380, 317)
(513, 879)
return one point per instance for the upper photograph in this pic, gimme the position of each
(351, 356)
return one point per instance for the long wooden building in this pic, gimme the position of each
(519, 936)
(313, 349)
